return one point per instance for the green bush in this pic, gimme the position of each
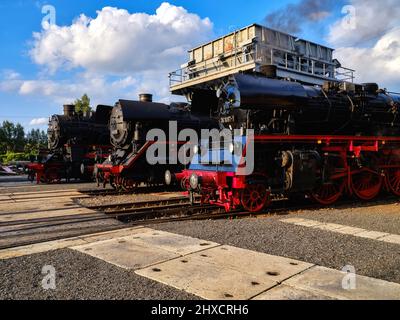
(14, 156)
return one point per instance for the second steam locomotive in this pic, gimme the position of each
(130, 123)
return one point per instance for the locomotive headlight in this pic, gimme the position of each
(194, 181)
(196, 149)
(82, 168)
(168, 177)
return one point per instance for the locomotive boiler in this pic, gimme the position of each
(274, 106)
(130, 122)
(76, 141)
(299, 140)
(79, 128)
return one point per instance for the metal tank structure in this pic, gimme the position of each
(259, 49)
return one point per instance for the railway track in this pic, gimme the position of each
(141, 189)
(48, 228)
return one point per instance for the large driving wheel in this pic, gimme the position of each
(333, 181)
(366, 183)
(52, 176)
(129, 184)
(255, 197)
(393, 177)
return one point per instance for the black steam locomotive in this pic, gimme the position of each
(130, 122)
(319, 142)
(76, 142)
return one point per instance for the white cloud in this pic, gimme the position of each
(100, 88)
(380, 64)
(373, 48)
(39, 122)
(9, 74)
(115, 55)
(117, 42)
(372, 20)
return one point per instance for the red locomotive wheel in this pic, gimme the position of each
(332, 189)
(255, 197)
(128, 184)
(393, 178)
(52, 176)
(366, 185)
(328, 193)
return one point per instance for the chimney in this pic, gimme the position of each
(69, 110)
(145, 97)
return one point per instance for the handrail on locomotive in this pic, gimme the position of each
(260, 55)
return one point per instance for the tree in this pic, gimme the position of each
(35, 140)
(19, 138)
(14, 145)
(83, 104)
(12, 137)
(3, 144)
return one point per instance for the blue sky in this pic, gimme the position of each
(23, 77)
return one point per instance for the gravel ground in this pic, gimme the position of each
(383, 215)
(78, 276)
(369, 257)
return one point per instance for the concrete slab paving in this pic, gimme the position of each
(225, 272)
(63, 243)
(37, 205)
(256, 263)
(329, 226)
(6, 202)
(325, 281)
(207, 280)
(45, 214)
(293, 220)
(392, 238)
(372, 234)
(308, 223)
(58, 198)
(107, 235)
(45, 195)
(125, 253)
(39, 247)
(350, 230)
(43, 192)
(285, 292)
(178, 244)
(143, 247)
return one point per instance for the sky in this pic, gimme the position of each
(53, 52)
